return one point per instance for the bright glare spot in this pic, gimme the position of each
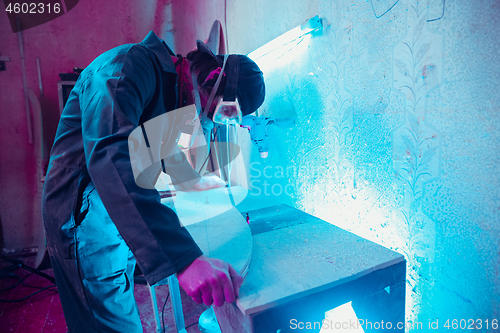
(277, 55)
(311, 73)
(283, 49)
(276, 43)
(342, 319)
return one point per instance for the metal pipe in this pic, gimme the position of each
(39, 69)
(25, 81)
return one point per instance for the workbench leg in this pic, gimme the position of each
(159, 328)
(175, 296)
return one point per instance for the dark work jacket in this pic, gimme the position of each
(120, 90)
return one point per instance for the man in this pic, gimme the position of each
(98, 220)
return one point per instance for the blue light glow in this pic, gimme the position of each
(283, 49)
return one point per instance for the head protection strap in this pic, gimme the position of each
(233, 74)
(215, 88)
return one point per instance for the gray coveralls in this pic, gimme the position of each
(97, 218)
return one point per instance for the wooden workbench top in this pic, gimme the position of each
(296, 254)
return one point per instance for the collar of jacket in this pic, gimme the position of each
(160, 49)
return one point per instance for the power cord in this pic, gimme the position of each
(162, 314)
(19, 282)
(191, 325)
(213, 134)
(163, 317)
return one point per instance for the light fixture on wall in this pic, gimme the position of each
(284, 47)
(278, 52)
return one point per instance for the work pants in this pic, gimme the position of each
(97, 286)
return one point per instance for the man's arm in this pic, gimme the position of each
(112, 103)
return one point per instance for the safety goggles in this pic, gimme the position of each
(227, 110)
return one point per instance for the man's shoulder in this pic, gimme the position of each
(161, 51)
(122, 54)
(150, 53)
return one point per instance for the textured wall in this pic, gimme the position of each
(72, 40)
(397, 135)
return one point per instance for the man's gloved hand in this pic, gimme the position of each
(209, 281)
(209, 182)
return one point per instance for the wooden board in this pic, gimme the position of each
(226, 237)
(305, 258)
(196, 206)
(38, 230)
(216, 225)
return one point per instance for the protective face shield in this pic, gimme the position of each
(227, 110)
(227, 113)
(199, 123)
(243, 79)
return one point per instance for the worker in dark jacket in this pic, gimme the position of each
(99, 221)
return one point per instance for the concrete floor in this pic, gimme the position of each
(42, 313)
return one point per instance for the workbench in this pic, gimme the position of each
(302, 267)
(296, 266)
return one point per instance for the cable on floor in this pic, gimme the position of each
(19, 282)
